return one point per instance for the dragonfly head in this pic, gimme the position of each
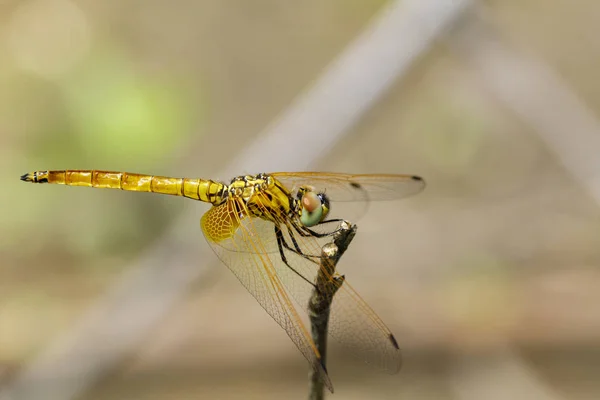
(314, 207)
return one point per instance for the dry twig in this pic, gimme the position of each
(322, 297)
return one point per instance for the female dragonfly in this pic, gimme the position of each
(268, 229)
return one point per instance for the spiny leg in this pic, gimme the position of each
(297, 250)
(282, 243)
(306, 232)
(320, 235)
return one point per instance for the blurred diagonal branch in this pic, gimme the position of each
(528, 87)
(154, 283)
(319, 305)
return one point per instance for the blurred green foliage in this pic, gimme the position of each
(119, 113)
(108, 113)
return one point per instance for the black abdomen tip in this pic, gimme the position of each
(417, 178)
(27, 178)
(35, 177)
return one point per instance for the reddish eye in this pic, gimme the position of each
(310, 201)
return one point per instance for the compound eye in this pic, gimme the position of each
(312, 209)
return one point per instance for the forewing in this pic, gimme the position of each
(352, 321)
(255, 269)
(354, 187)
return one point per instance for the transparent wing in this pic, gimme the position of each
(255, 269)
(354, 187)
(265, 232)
(352, 321)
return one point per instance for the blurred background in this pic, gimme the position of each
(489, 278)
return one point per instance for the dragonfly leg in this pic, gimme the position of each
(304, 231)
(282, 243)
(298, 250)
(332, 220)
(294, 241)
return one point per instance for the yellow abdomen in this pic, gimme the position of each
(197, 189)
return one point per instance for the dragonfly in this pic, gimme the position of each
(269, 230)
